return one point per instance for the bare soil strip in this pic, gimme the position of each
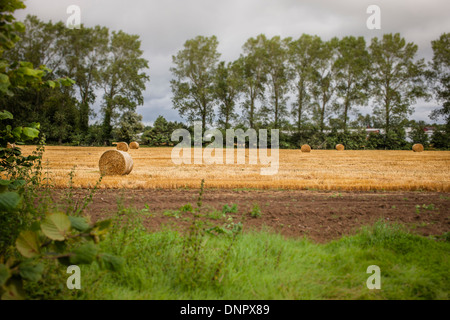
(319, 216)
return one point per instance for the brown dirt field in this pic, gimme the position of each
(318, 215)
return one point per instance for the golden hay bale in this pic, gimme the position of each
(10, 145)
(418, 147)
(340, 147)
(122, 146)
(306, 148)
(115, 162)
(134, 145)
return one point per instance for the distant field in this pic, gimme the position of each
(321, 170)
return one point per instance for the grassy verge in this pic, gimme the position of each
(165, 265)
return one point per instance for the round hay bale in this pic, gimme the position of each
(418, 147)
(115, 162)
(10, 145)
(134, 145)
(306, 148)
(122, 146)
(340, 147)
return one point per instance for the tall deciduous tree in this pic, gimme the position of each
(278, 77)
(351, 75)
(396, 79)
(85, 57)
(324, 83)
(228, 85)
(440, 67)
(303, 60)
(123, 78)
(254, 77)
(193, 85)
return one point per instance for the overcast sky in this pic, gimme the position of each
(164, 26)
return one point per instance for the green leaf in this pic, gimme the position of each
(112, 263)
(56, 225)
(35, 125)
(31, 72)
(19, 26)
(30, 133)
(5, 114)
(66, 82)
(9, 201)
(17, 132)
(85, 254)
(79, 223)
(30, 271)
(27, 244)
(5, 274)
(4, 85)
(51, 84)
(4, 184)
(26, 64)
(13, 290)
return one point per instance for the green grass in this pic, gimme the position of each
(268, 266)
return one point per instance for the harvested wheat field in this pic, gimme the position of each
(321, 170)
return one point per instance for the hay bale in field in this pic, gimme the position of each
(10, 145)
(134, 145)
(340, 147)
(418, 147)
(115, 162)
(122, 146)
(306, 148)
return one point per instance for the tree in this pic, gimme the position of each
(440, 76)
(254, 77)
(324, 84)
(51, 105)
(122, 78)
(278, 76)
(417, 133)
(87, 52)
(351, 75)
(303, 60)
(227, 87)
(75, 53)
(129, 127)
(161, 132)
(193, 83)
(441, 139)
(396, 79)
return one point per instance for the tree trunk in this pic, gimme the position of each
(84, 117)
(107, 129)
(300, 108)
(203, 120)
(252, 112)
(346, 106)
(322, 115)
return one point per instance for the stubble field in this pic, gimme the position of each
(318, 170)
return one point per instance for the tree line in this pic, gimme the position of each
(105, 66)
(310, 87)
